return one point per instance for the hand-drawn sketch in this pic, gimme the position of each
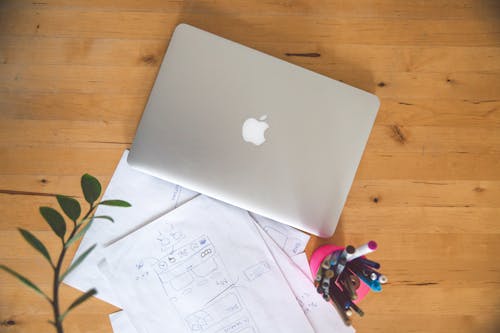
(195, 270)
(168, 238)
(306, 302)
(218, 311)
(191, 265)
(289, 239)
(255, 271)
(290, 244)
(240, 325)
(176, 195)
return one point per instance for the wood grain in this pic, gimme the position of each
(75, 76)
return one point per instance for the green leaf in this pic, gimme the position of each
(70, 207)
(79, 234)
(25, 281)
(116, 203)
(36, 243)
(91, 188)
(109, 218)
(55, 220)
(77, 262)
(78, 301)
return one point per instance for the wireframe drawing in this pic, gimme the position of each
(194, 273)
(284, 241)
(257, 270)
(306, 302)
(218, 311)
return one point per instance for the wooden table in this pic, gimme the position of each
(75, 76)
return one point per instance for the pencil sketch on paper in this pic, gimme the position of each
(194, 272)
(306, 303)
(219, 311)
(290, 243)
(257, 270)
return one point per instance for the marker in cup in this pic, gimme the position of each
(362, 250)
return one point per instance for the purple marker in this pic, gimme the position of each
(363, 250)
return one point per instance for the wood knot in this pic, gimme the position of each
(381, 84)
(37, 26)
(8, 322)
(375, 200)
(44, 181)
(398, 134)
(149, 59)
(479, 189)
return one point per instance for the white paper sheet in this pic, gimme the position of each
(202, 268)
(150, 197)
(321, 314)
(320, 319)
(120, 322)
(289, 239)
(303, 264)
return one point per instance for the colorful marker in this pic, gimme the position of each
(348, 285)
(341, 311)
(334, 258)
(374, 285)
(363, 250)
(339, 268)
(367, 262)
(319, 275)
(326, 262)
(349, 252)
(325, 284)
(367, 271)
(357, 309)
(329, 274)
(355, 280)
(338, 295)
(319, 289)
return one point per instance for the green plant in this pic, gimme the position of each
(91, 189)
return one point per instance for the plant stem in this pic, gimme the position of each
(57, 283)
(57, 273)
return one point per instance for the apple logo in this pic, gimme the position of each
(253, 130)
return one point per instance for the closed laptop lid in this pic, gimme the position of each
(212, 94)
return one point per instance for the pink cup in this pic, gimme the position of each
(320, 254)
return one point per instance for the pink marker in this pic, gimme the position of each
(363, 250)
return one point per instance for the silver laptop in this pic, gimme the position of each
(254, 131)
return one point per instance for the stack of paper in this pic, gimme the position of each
(177, 261)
